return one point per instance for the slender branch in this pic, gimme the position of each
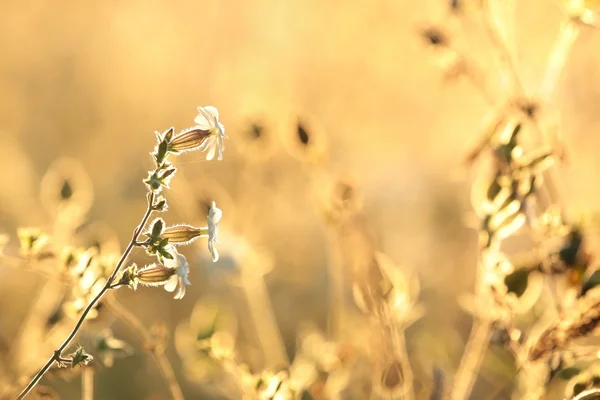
(159, 356)
(87, 384)
(471, 361)
(504, 54)
(335, 321)
(262, 314)
(58, 352)
(558, 58)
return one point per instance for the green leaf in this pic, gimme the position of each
(591, 282)
(169, 134)
(517, 281)
(161, 152)
(168, 173)
(157, 228)
(569, 373)
(163, 252)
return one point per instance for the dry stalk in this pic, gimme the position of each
(149, 344)
(579, 322)
(480, 334)
(87, 384)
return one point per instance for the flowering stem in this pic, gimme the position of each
(58, 352)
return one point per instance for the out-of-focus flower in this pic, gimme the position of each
(214, 216)
(208, 119)
(108, 348)
(586, 11)
(180, 279)
(33, 240)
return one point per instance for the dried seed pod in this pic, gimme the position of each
(580, 322)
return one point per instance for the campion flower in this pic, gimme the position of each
(180, 279)
(208, 119)
(214, 216)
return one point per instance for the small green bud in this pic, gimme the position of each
(157, 228)
(80, 358)
(129, 277)
(160, 204)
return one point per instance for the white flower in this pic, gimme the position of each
(214, 216)
(208, 119)
(180, 279)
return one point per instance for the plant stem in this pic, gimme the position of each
(58, 352)
(262, 314)
(471, 361)
(558, 58)
(87, 384)
(159, 356)
(335, 321)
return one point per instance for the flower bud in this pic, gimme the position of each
(183, 234)
(154, 275)
(80, 357)
(188, 140)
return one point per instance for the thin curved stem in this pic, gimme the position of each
(471, 361)
(87, 384)
(58, 352)
(558, 58)
(161, 359)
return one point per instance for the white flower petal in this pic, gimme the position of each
(206, 143)
(214, 215)
(209, 117)
(179, 281)
(171, 283)
(221, 149)
(213, 251)
(210, 154)
(212, 111)
(202, 121)
(222, 130)
(181, 290)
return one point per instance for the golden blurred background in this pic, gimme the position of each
(86, 84)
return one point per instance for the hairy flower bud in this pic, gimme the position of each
(154, 275)
(183, 234)
(189, 139)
